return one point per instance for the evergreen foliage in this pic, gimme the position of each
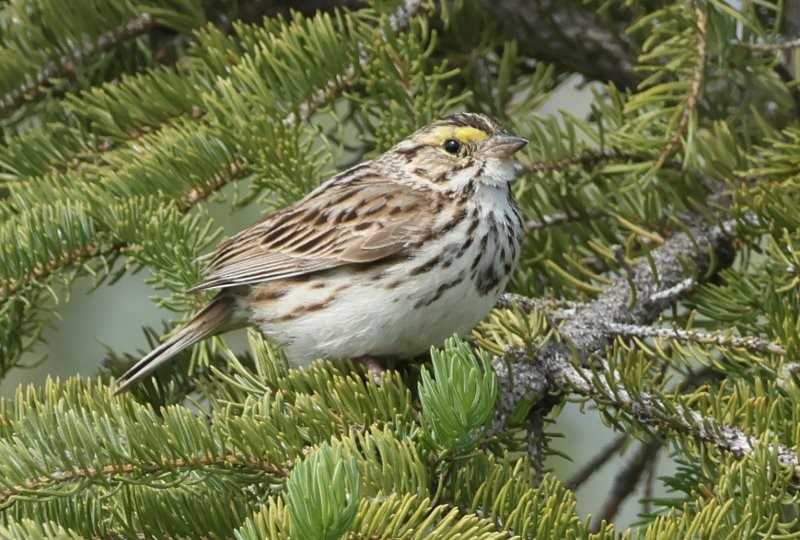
(658, 282)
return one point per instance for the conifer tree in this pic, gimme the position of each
(658, 283)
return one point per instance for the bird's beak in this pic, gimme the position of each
(503, 145)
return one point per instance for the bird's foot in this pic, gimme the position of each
(373, 367)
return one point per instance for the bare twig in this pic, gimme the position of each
(626, 481)
(649, 485)
(594, 464)
(536, 446)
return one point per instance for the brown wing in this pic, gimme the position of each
(345, 223)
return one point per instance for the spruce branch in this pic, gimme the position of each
(219, 180)
(398, 21)
(65, 65)
(586, 158)
(92, 250)
(693, 98)
(565, 32)
(118, 473)
(99, 244)
(324, 96)
(104, 246)
(785, 69)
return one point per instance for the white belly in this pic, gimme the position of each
(348, 314)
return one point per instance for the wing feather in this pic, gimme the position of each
(346, 223)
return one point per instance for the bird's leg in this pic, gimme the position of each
(373, 367)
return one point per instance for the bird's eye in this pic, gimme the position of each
(452, 146)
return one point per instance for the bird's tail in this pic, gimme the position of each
(216, 317)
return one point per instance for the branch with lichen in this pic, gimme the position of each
(771, 47)
(644, 408)
(725, 340)
(635, 299)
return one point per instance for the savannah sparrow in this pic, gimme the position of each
(384, 259)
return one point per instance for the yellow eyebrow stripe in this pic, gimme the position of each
(465, 134)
